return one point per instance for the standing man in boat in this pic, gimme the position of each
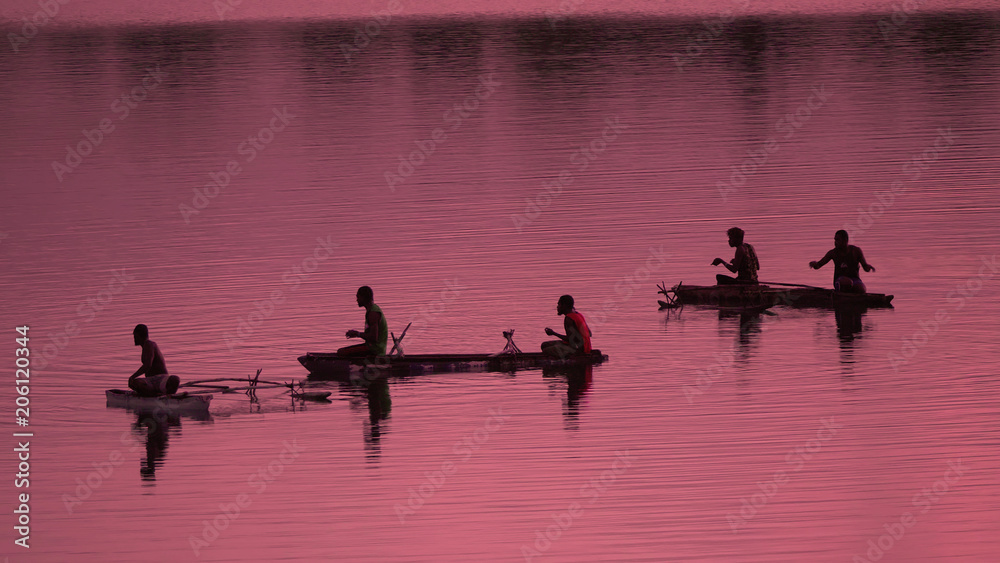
(376, 333)
(846, 260)
(576, 341)
(154, 367)
(744, 264)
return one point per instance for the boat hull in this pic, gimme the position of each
(181, 402)
(768, 296)
(331, 366)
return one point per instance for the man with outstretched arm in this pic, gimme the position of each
(846, 260)
(376, 333)
(154, 367)
(744, 264)
(576, 341)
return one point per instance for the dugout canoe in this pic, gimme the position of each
(180, 402)
(769, 296)
(332, 366)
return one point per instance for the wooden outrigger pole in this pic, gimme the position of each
(253, 383)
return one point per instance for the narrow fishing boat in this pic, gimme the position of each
(764, 295)
(178, 402)
(331, 366)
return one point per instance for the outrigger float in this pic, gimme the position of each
(332, 366)
(764, 295)
(199, 399)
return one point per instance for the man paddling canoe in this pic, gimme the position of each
(376, 333)
(744, 264)
(846, 259)
(577, 338)
(154, 367)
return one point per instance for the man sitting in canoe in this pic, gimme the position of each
(744, 264)
(154, 367)
(577, 338)
(846, 259)
(376, 333)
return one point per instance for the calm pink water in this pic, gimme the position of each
(781, 439)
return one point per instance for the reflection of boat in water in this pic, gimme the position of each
(747, 295)
(332, 366)
(189, 404)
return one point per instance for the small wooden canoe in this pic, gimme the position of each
(331, 366)
(769, 296)
(172, 403)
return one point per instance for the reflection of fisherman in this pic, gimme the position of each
(379, 407)
(157, 426)
(578, 381)
(154, 367)
(577, 337)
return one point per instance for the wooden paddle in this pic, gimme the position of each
(796, 285)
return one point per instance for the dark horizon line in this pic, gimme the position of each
(7, 25)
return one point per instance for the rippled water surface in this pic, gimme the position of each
(471, 172)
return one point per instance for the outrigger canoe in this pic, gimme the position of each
(330, 365)
(180, 402)
(768, 296)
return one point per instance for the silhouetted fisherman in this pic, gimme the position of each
(744, 264)
(846, 260)
(577, 338)
(376, 333)
(154, 367)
